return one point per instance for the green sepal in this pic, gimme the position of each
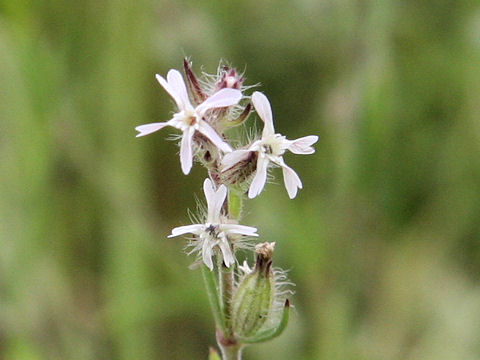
(241, 118)
(270, 333)
(212, 291)
(252, 302)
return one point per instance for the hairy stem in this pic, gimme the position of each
(226, 293)
(230, 347)
(230, 352)
(212, 291)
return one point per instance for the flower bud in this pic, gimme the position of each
(254, 298)
(193, 83)
(229, 78)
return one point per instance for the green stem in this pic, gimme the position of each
(235, 200)
(230, 348)
(231, 352)
(212, 291)
(227, 284)
(221, 296)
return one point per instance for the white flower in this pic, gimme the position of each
(270, 148)
(214, 233)
(189, 119)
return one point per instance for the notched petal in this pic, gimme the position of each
(186, 151)
(292, 181)
(228, 258)
(264, 110)
(149, 128)
(233, 158)
(303, 145)
(176, 82)
(259, 180)
(222, 98)
(239, 229)
(187, 229)
(212, 135)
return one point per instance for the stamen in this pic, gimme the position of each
(267, 149)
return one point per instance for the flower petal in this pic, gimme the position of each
(260, 178)
(208, 190)
(150, 128)
(171, 91)
(303, 145)
(215, 200)
(211, 134)
(207, 254)
(228, 258)
(264, 110)
(222, 98)
(186, 152)
(196, 229)
(291, 180)
(175, 86)
(232, 158)
(175, 80)
(239, 229)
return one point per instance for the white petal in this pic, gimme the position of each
(171, 91)
(207, 254)
(215, 200)
(210, 133)
(232, 158)
(186, 151)
(291, 180)
(239, 229)
(303, 145)
(222, 98)
(228, 258)
(208, 190)
(188, 229)
(175, 86)
(264, 110)
(260, 178)
(150, 128)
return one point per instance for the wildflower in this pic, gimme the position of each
(189, 119)
(270, 148)
(215, 232)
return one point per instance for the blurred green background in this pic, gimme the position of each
(382, 242)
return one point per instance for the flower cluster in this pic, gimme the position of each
(206, 108)
(203, 114)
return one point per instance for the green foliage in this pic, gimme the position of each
(383, 240)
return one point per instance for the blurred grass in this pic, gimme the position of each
(383, 242)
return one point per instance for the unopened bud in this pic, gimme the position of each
(254, 298)
(229, 78)
(193, 84)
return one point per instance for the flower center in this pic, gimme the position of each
(267, 149)
(273, 145)
(212, 230)
(190, 120)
